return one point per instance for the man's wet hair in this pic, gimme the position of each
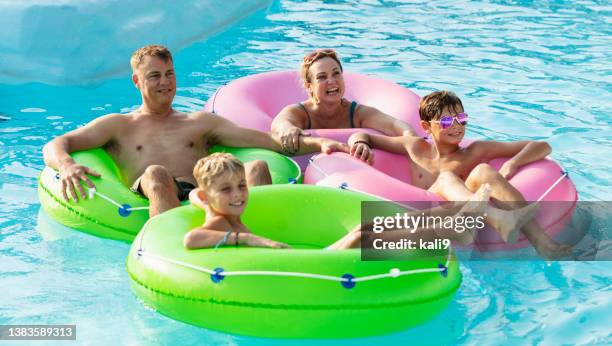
(155, 50)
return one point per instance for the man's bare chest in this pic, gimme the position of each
(139, 138)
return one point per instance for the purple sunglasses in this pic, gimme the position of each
(446, 121)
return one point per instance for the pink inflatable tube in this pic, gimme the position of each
(389, 178)
(255, 100)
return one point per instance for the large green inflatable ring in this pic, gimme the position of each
(114, 211)
(302, 292)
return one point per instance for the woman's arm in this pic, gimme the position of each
(373, 118)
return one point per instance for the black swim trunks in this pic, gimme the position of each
(183, 188)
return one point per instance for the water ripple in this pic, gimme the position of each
(524, 69)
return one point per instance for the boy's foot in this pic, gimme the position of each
(508, 223)
(476, 206)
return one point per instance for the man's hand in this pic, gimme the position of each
(508, 169)
(70, 178)
(329, 145)
(362, 151)
(258, 241)
(290, 139)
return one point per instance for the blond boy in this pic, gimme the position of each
(223, 194)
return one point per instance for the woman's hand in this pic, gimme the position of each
(290, 139)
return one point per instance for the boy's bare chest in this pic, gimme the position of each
(425, 170)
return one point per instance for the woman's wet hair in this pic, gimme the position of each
(432, 105)
(312, 58)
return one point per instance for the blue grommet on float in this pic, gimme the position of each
(444, 271)
(124, 211)
(344, 186)
(349, 283)
(292, 181)
(217, 276)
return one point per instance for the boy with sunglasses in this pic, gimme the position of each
(455, 173)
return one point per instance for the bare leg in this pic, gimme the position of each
(349, 241)
(353, 238)
(257, 173)
(506, 223)
(477, 206)
(158, 186)
(508, 197)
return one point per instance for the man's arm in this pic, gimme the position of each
(287, 127)
(324, 145)
(56, 153)
(521, 153)
(375, 119)
(225, 132)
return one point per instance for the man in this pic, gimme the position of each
(155, 146)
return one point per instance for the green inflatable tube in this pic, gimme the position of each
(303, 292)
(115, 211)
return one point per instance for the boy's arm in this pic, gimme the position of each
(520, 153)
(202, 237)
(390, 144)
(205, 238)
(383, 122)
(56, 153)
(360, 147)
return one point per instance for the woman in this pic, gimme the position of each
(326, 108)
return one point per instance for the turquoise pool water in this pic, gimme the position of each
(524, 69)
